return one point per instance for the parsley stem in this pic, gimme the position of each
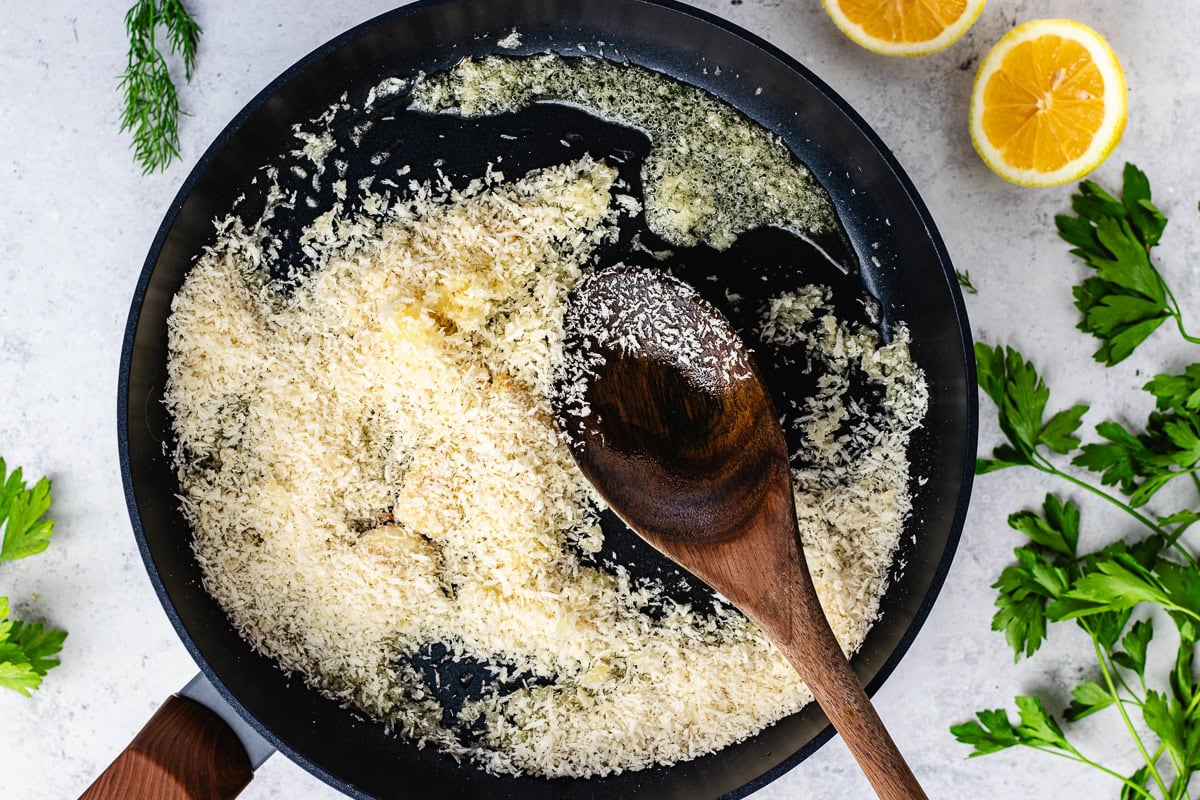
(1178, 770)
(1171, 539)
(1079, 758)
(1101, 493)
(1177, 312)
(1134, 697)
(1192, 705)
(1112, 689)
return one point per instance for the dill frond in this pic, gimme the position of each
(151, 101)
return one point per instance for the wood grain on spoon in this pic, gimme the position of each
(667, 416)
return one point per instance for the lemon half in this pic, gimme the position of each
(1049, 103)
(904, 27)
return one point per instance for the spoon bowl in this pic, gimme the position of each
(668, 432)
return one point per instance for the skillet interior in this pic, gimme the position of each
(913, 281)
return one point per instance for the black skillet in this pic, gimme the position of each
(890, 246)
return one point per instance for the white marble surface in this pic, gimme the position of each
(76, 219)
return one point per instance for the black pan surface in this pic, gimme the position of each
(890, 246)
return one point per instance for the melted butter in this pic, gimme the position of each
(711, 173)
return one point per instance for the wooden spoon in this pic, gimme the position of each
(667, 416)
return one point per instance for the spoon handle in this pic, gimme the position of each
(818, 658)
(769, 554)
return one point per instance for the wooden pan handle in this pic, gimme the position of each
(185, 752)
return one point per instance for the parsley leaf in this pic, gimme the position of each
(995, 734)
(1120, 461)
(1059, 531)
(1177, 392)
(1024, 589)
(1136, 643)
(1181, 519)
(1044, 570)
(1182, 586)
(24, 530)
(1135, 196)
(16, 672)
(1116, 584)
(1038, 726)
(1058, 433)
(1142, 463)
(1020, 396)
(1120, 582)
(1170, 722)
(1087, 698)
(1036, 729)
(1127, 299)
(26, 652)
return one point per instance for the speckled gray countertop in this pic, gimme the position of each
(77, 217)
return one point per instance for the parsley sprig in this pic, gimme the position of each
(151, 110)
(1108, 593)
(26, 650)
(1127, 299)
(1139, 463)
